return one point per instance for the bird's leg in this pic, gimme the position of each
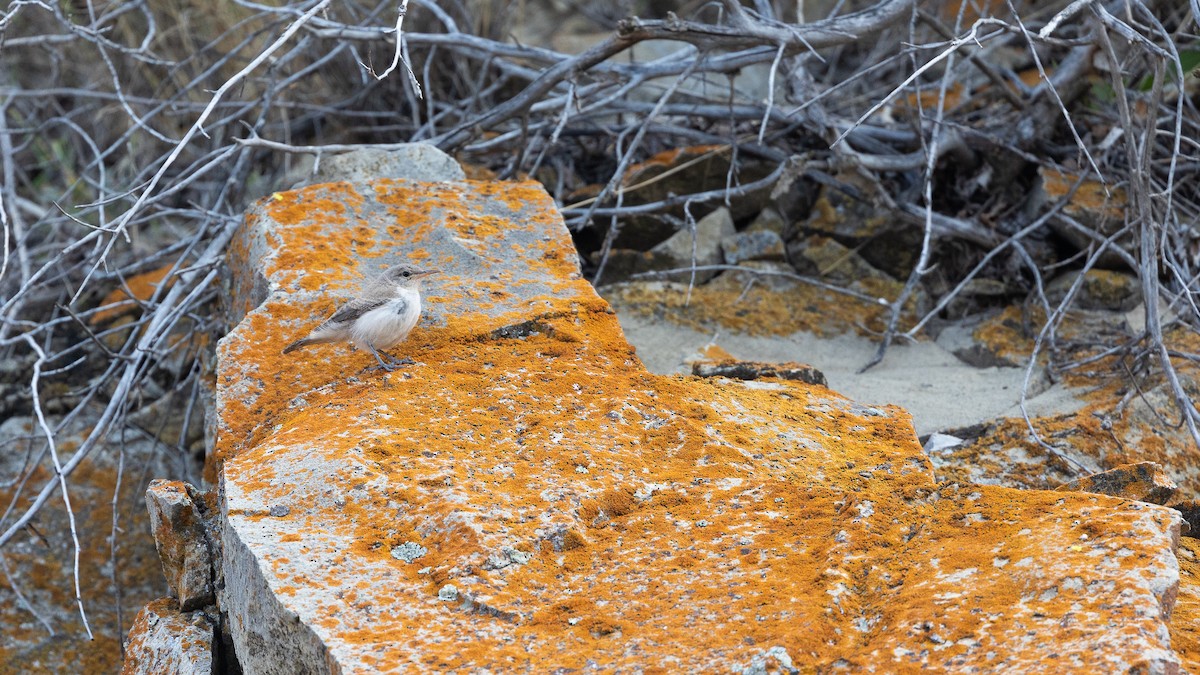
(384, 366)
(389, 365)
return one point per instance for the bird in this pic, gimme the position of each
(381, 317)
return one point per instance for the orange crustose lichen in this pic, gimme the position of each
(587, 512)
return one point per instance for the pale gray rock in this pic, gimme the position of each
(269, 639)
(163, 640)
(756, 245)
(703, 246)
(414, 161)
(768, 220)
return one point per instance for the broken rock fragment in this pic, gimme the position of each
(165, 640)
(1144, 482)
(182, 542)
(750, 370)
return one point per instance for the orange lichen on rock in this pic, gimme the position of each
(41, 560)
(126, 299)
(164, 640)
(1010, 334)
(1126, 419)
(715, 353)
(757, 311)
(926, 101)
(1101, 201)
(1185, 621)
(526, 496)
(1144, 481)
(671, 158)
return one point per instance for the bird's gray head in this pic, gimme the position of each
(405, 275)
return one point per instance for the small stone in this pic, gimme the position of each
(182, 543)
(752, 370)
(1144, 482)
(279, 510)
(164, 640)
(1099, 208)
(710, 230)
(768, 220)
(758, 245)
(877, 235)
(1099, 290)
(448, 593)
(409, 551)
(777, 277)
(938, 442)
(825, 258)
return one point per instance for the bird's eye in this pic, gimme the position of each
(406, 274)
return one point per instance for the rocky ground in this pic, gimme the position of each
(962, 382)
(530, 456)
(756, 237)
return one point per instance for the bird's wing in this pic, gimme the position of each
(354, 309)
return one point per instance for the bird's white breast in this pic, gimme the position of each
(387, 326)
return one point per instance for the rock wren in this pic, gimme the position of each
(380, 318)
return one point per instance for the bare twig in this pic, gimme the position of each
(60, 475)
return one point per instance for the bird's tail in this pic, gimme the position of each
(302, 342)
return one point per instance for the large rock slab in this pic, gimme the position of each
(526, 496)
(1185, 624)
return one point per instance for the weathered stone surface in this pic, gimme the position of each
(750, 370)
(1144, 481)
(577, 512)
(179, 535)
(703, 246)
(681, 171)
(1098, 211)
(415, 161)
(972, 297)
(826, 258)
(1190, 510)
(752, 245)
(1099, 289)
(848, 214)
(778, 276)
(125, 301)
(1185, 621)
(1114, 427)
(673, 253)
(120, 308)
(164, 640)
(1150, 429)
(769, 220)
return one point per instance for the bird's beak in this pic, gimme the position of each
(425, 273)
